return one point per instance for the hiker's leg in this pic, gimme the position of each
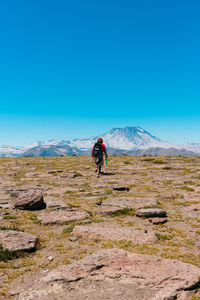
(99, 169)
(95, 161)
(101, 164)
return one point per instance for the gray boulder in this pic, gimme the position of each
(30, 200)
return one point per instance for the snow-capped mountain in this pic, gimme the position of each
(128, 140)
(195, 147)
(10, 151)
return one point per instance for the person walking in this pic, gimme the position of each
(98, 151)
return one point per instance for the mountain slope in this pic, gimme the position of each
(49, 150)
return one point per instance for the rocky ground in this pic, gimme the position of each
(133, 233)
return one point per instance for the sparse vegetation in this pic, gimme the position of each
(8, 217)
(159, 161)
(187, 188)
(68, 230)
(6, 255)
(163, 237)
(10, 228)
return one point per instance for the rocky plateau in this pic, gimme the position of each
(132, 233)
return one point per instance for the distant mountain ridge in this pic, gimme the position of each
(128, 140)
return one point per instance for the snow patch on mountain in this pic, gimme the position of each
(195, 147)
(7, 150)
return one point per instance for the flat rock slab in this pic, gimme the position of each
(157, 221)
(106, 231)
(115, 274)
(54, 203)
(62, 216)
(131, 202)
(17, 240)
(151, 212)
(31, 174)
(30, 200)
(108, 210)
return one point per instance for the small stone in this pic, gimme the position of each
(73, 238)
(5, 205)
(31, 174)
(50, 258)
(14, 194)
(121, 188)
(157, 221)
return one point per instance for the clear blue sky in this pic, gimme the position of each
(74, 68)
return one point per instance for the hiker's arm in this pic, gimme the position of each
(92, 152)
(104, 151)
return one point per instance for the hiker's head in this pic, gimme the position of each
(100, 140)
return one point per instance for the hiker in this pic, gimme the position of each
(97, 153)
